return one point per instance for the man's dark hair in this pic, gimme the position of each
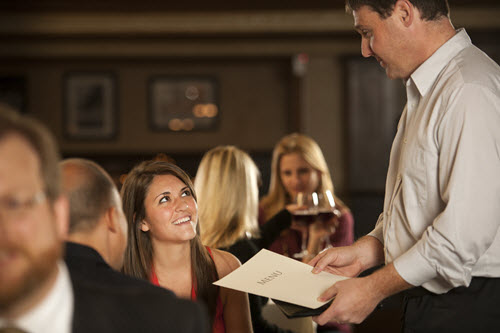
(42, 142)
(429, 9)
(90, 193)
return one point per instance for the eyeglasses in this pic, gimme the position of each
(14, 208)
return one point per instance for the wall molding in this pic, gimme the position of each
(201, 24)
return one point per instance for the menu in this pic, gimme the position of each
(281, 278)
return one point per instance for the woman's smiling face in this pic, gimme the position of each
(171, 210)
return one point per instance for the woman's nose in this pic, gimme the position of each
(181, 205)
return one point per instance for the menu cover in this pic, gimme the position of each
(281, 278)
(296, 311)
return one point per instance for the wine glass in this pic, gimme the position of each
(305, 215)
(327, 210)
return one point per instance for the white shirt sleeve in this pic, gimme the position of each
(377, 232)
(468, 175)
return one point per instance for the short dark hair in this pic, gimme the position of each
(41, 140)
(90, 195)
(429, 9)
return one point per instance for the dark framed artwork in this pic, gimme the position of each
(183, 103)
(374, 105)
(90, 105)
(13, 92)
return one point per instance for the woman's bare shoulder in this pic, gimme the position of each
(225, 262)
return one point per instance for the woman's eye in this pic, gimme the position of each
(304, 171)
(186, 193)
(164, 199)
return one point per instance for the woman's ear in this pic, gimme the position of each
(144, 226)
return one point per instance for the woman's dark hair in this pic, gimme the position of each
(429, 9)
(139, 252)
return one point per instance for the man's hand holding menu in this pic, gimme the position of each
(281, 278)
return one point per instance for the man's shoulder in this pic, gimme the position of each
(99, 308)
(85, 264)
(473, 66)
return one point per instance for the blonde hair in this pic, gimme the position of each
(277, 197)
(228, 197)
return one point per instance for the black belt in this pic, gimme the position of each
(417, 292)
(475, 282)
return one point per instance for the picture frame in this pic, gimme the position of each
(183, 103)
(13, 92)
(90, 105)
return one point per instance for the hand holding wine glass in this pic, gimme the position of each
(328, 215)
(305, 214)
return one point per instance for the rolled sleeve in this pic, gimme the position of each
(406, 266)
(378, 231)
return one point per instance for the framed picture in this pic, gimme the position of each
(90, 105)
(13, 92)
(181, 104)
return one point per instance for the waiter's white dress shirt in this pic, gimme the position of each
(441, 218)
(54, 314)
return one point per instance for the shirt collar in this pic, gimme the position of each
(426, 74)
(55, 312)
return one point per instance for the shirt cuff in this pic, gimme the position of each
(414, 268)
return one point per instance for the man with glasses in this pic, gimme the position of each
(34, 283)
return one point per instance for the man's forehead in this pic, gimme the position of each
(19, 163)
(363, 15)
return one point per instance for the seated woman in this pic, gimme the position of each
(227, 187)
(164, 244)
(298, 165)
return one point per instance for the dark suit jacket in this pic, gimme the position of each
(108, 301)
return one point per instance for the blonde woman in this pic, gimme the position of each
(164, 245)
(227, 187)
(298, 165)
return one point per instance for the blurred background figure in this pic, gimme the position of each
(35, 288)
(298, 166)
(228, 199)
(164, 246)
(97, 223)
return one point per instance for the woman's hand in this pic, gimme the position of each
(318, 232)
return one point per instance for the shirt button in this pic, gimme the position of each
(405, 141)
(399, 177)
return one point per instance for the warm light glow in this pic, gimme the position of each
(205, 110)
(198, 110)
(175, 124)
(187, 124)
(211, 110)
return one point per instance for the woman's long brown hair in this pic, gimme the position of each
(139, 252)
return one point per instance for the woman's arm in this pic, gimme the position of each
(235, 303)
(344, 233)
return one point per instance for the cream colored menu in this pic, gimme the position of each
(275, 276)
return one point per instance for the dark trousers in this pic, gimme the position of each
(473, 309)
